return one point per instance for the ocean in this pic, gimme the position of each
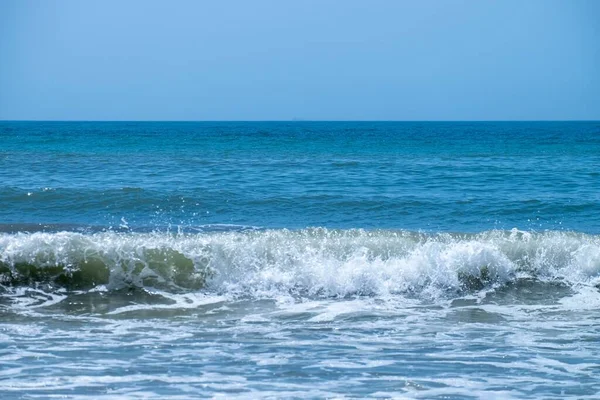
(434, 260)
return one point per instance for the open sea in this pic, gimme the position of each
(417, 260)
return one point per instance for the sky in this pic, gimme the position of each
(299, 60)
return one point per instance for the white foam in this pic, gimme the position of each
(318, 262)
(180, 302)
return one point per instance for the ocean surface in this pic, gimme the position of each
(434, 260)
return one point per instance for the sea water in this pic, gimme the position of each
(451, 260)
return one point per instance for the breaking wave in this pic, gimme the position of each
(309, 262)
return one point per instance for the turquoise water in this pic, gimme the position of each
(299, 260)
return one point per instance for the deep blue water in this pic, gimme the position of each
(457, 176)
(299, 259)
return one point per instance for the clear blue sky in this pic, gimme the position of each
(280, 60)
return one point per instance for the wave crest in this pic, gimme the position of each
(312, 262)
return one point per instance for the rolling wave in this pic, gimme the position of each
(309, 262)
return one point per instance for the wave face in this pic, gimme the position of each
(310, 262)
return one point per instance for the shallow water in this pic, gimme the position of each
(299, 260)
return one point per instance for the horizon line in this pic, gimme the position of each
(300, 120)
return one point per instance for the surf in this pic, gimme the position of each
(314, 262)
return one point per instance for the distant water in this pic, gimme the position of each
(446, 260)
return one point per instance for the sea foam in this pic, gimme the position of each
(308, 262)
